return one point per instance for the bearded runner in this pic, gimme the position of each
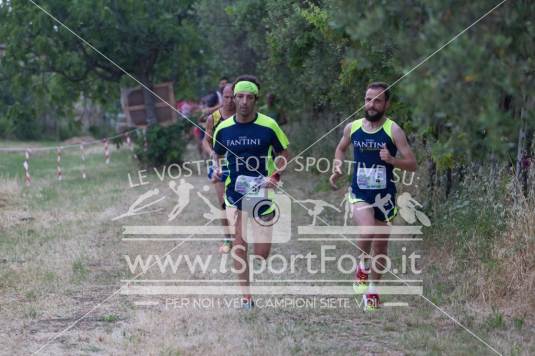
(376, 140)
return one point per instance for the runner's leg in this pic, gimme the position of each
(262, 233)
(380, 248)
(220, 192)
(363, 215)
(239, 250)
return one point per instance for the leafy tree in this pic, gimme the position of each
(457, 97)
(153, 40)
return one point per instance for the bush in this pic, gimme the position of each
(69, 128)
(99, 131)
(27, 128)
(165, 145)
(6, 127)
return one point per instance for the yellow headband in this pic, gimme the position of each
(246, 86)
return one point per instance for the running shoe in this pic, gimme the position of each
(226, 246)
(247, 303)
(360, 285)
(371, 301)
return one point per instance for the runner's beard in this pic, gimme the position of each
(373, 118)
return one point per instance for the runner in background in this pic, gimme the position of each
(214, 100)
(226, 110)
(209, 103)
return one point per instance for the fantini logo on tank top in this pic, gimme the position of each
(368, 145)
(244, 141)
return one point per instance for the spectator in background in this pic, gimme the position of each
(273, 110)
(187, 107)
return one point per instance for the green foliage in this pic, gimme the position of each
(79, 270)
(6, 127)
(518, 323)
(474, 216)
(166, 145)
(24, 124)
(110, 318)
(100, 131)
(46, 67)
(69, 128)
(316, 56)
(495, 321)
(233, 36)
(463, 97)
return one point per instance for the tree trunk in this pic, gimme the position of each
(150, 107)
(432, 173)
(521, 143)
(460, 173)
(527, 161)
(449, 181)
(525, 137)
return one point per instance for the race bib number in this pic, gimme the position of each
(250, 186)
(371, 178)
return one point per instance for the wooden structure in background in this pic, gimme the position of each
(133, 104)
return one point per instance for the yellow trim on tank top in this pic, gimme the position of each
(387, 127)
(266, 121)
(216, 117)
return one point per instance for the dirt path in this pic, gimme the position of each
(62, 279)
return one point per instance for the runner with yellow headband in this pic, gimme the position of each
(249, 141)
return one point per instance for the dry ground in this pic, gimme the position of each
(61, 257)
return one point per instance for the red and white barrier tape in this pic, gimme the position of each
(26, 165)
(59, 174)
(107, 151)
(145, 142)
(129, 144)
(51, 148)
(83, 160)
(59, 149)
(128, 141)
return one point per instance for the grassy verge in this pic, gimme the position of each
(60, 255)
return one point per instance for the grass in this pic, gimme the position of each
(495, 321)
(489, 238)
(60, 255)
(43, 225)
(111, 318)
(79, 271)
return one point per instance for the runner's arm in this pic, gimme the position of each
(282, 162)
(219, 154)
(407, 161)
(279, 144)
(339, 155)
(207, 140)
(218, 172)
(209, 111)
